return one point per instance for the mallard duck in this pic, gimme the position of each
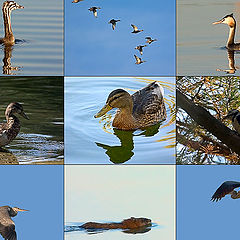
(142, 109)
(9, 130)
(94, 10)
(135, 29)
(113, 22)
(7, 8)
(150, 40)
(138, 60)
(140, 48)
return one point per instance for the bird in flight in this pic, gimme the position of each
(226, 188)
(113, 22)
(140, 48)
(7, 226)
(150, 40)
(138, 60)
(76, 1)
(135, 29)
(94, 10)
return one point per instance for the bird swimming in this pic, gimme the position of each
(226, 188)
(7, 8)
(135, 29)
(138, 60)
(7, 226)
(234, 115)
(94, 10)
(144, 108)
(113, 22)
(10, 129)
(140, 48)
(231, 22)
(150, 40)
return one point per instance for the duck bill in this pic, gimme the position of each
(24, 115)
(23, 210)
(218, 22)
(104, 110)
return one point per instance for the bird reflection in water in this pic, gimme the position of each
(124, 152)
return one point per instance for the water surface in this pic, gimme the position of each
(38, 30)
(200, 44)
(41, 137)
(95, 141)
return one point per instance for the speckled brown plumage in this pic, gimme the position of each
(142, 109)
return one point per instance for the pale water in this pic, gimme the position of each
(95, 141)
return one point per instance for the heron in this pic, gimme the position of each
(7, 226)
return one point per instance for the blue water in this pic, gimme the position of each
(94, 141)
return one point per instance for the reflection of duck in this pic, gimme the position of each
(7, 8)
(9, 130)
(94, 10)
(140, 48)
(144, 108)
(150, 40)
(231, 22)
(135, 29)
(113, 22)
(138, 60)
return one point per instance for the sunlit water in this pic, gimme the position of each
(41, 137)
(200, 44)
(38, 30)
(95, 141)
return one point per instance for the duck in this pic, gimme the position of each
(231, 22)
(76, 1)
(142, 109)
(140, 48)
(94, 10)
(135, 29)
(138, 60)
(10, 129)
(113, 22)
(150, 40)
(7, 8)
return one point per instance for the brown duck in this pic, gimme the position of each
(142, 109)
(10, 129)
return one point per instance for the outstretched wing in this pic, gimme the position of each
(226, 188)
(137, 58)
(134, 27)
(7, 226)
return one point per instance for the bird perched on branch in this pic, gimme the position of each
(113, 22)
(7, 226)
(226, 188)
(234, 115)
(94, 10)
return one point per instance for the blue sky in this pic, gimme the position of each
(197, 217)
(93, 48)
(38, 189)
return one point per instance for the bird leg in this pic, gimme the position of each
(235, 194)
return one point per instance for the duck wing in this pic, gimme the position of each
(7, 226)
(148, 104)
(134, 27)
(226, 188)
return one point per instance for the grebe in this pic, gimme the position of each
(7, 8)
(231, 22)
(113, 22)
(150, 40)
(138, 60)
(140, 48)
(10, 129)
(234, 115)
(7, 226)
(94, 10)
(142, 109)
(135, 29)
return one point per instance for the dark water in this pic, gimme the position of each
(38, 30)
(41, 137)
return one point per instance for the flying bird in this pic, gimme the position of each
(94, 10)
(226, 188)
(76, 1)
(150, 40)
(234, 115)
(113, 22)
(138, 60)
(135, 29)
(7, 226)
(140, 48)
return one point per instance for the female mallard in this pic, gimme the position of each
(142, 109)
(9, 130)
